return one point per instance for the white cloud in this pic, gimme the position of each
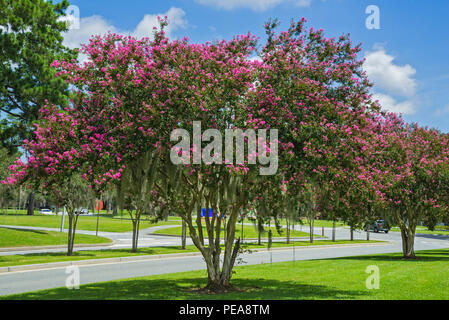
(256, 5)
(388, 76)
(387, 102)
(394, 85)
(88, 27)
(98, 25)
(176, 20)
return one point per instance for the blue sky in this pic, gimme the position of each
(407, 58)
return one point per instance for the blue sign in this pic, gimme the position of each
(203, 212)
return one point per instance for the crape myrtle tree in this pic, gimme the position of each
(123, 94)
(215, 80)
(401, 174)
(128, 99)
(313, 89)
(72, 192)
(51, 166)
(412, 173)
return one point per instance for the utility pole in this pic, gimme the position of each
(98, 207)
(270, 242)
(62, 220)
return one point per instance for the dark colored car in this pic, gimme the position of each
(379, 225)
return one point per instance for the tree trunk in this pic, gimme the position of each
(219, 270)
(30, 209)
(69, 245)
(408, 243)
(135, 239)
(288, 232)
(230, 255)
(73, 218)
(352, 234)
(184, 235)
(220, 281)
(311, 223)
(333, 230)
(367, 233)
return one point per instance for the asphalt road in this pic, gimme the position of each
(25, 281)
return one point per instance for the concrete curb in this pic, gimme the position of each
(86, 245)
(62, 264)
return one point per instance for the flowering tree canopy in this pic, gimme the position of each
(337, 152)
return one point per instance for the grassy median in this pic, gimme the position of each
(249, 232)
(444, 231)
(106, 223)
(24, 238)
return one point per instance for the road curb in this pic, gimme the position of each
(62, 264)
(86, 245)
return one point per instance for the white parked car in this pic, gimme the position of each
(83, 212)
(45, 211)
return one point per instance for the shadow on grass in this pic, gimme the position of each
(429, 255)
(181, 289)
(104, 253)
(28, 230)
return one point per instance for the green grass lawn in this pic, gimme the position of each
(15, 260)
(249, 232)
(425, 230)
(106, 223)
(16, 211)
(22, 238)
(317, 223)
(341, 278)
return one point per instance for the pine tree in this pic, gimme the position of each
(30, 40)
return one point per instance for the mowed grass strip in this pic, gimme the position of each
(89, 223)
(249, 232)
(438, 230)
(16, 260)
(24, 238)
(341, 279)
(317, 223)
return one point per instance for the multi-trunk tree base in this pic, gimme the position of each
(408, 243)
